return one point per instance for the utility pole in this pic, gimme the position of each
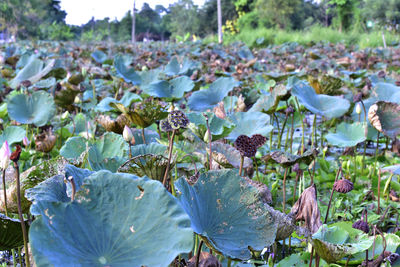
(219, 14)
(133, 23)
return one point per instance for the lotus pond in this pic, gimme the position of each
(165, 154)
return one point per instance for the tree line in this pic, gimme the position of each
(45, 20)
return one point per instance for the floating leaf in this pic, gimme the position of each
(175, 68)
(324, 105)
(210, 97)
(121, 214)
(268, 103)
(99, 56)
(36, 109)
(385, 117)
(347, 135)
(228, 212)
(32, 71)
(249, 123)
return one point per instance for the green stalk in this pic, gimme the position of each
(255, 161)
(281, 132)
(302, 127)
(365, 142)
(21, 218)
(314, 131)
(241, 165)
(5, 192)
(330, 198)
(171, 144)
(198, 254)
(376, 152)
(284, 190)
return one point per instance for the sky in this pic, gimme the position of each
(81, 11)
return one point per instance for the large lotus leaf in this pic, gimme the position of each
(113, 227)
(219, 128)
(324, 105)
(249, 123)
(126, 100)
(153, 148)
(338, 240)
(299, 260)
(268, 103)
(54, 189)
(392, 243)
(32, 71)
(210, 97)
(152, 166)
(347, 135)
(45, 84)
(286, 159)
(129, 75)
(395, 169)
(99, 56)
(80, 125)
(173, 89)
(228, 156)
(12, 134)
(228, 213)
(10, 233)
(385, 117)
(150, 135)
(175, 68)
(148, 77)
(30, 178)
(97, 161)
(36, 109)
(73, 148)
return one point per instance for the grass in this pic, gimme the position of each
(261, 37)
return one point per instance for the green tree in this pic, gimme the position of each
(277, 12)
(383, 12)
(182, 18)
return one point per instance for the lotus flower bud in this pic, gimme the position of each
(25, 141)
(358, 108)
(65, 115)
(84, 71)
(77, 100)
(127, 134)
(5, 154)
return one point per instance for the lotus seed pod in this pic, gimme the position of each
(245, 146)
(177, 119)
(165, 126)
(361, 225)
(343, 186)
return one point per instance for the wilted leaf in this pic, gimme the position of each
(385, 117)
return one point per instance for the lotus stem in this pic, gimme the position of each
(365, 142)
(302, 126)
(209, 141)
(311, 257)
(198, 254)
(379, 192)
(366, 220)
(20, 258)
(257, 174)
(241, 165)
(5, 192)
(130, 150)
(284, 189)
(171, 145)
(14, 257)
(73, 186)
(314, 131)
(291, 135)
(295, 187)
(376, 152)
(330, 198)
(143, 137)
(21, 218)
(271, 134)
(281, 132)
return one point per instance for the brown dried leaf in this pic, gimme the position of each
(206, 260)
(306, 209)
(45, 141)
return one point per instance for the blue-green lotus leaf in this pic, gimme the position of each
(173, 89)
(36, 109)
(126, 100)
(113, 227)
(175, 68)
(228, 213)
(129, 75)
(347, 135)
(269, 102)
(153, 148)
(249, 123)
(395, 169)
(47, 83)
(324, 105)
(99, 56)
(33, 71)
(392, 243)
(210, 97)
(338, 240)
(54, 189)
(385, 117)
(12, 134)
(150, 136)
(219, 128)
(10, 233)
(73, 148)
(299, 260)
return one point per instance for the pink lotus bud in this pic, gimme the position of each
(127, 134)
(25, 141)
(5, 154)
